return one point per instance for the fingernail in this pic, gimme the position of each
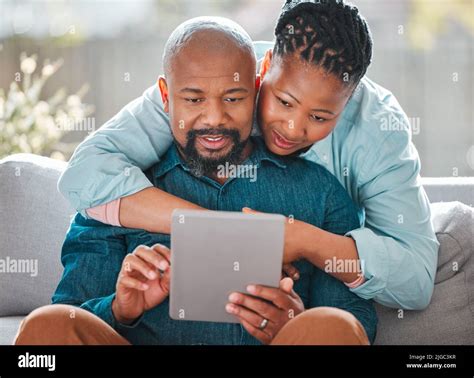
(230, 308)
(251, 289)
(234, 297)
(163, 265)
(145, 286)
(296, 276)
(152, 274)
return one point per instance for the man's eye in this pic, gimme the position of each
(283, 102)
(194, 100)
(318, 119)
(232, 99)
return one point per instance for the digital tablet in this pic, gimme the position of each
(215, 253)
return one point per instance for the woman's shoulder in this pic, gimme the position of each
(374, 116)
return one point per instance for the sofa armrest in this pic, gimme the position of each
(34, 218)
(447, 189)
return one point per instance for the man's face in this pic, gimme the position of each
(211, 99)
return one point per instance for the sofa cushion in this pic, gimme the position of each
(449, 319)
(34, 219)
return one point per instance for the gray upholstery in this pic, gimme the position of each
(449, 319)
(34, 218)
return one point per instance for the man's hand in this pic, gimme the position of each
(277, 305)
(143, 282)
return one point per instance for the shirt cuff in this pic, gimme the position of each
(359, 281)
(103, 309)
(374, 262)
(108, 213)
(119, 326)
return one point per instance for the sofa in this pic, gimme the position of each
(34, 219)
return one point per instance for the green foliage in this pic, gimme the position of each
(31, 124)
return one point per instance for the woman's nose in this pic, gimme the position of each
(296, 130)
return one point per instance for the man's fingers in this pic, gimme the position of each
(286, 284)
(256, 332)
(272, 294)
(247, 315)
(162, 249)
(132, 283)
(257, 305)
(165, 281)
(291, 271)
(153, 256)
(134, 263)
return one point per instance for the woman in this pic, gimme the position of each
(314, 101)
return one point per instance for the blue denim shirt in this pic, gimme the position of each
(92, 253)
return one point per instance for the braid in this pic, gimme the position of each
(328, 33)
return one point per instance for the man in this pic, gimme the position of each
(113, 272)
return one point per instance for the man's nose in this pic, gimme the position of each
(214, 114)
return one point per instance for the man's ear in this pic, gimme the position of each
(164, 93)
(265, 65)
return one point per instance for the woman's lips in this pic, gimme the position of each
(282, 142)
(213, 142)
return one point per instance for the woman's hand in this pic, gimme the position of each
(267, 309)
(294, 246)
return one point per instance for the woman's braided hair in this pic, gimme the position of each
(328, 33)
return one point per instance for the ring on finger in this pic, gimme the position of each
(263, 324)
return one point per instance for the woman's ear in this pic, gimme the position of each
(164, 93)
(265, 65)
(258, 82)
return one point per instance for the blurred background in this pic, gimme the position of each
(66, 67)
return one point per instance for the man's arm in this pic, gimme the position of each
(92, 256)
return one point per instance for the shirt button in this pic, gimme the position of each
(325, 158)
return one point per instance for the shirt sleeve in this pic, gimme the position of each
(397, 245)
(109, 164)
(92, 256)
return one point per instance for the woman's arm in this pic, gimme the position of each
(397, 247)
(109, 164)
(325, 250)
(151, 209)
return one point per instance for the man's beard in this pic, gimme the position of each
(207, 166)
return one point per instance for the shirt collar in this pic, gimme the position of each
(260, 153)
(322, 149)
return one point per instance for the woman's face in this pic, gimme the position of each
(299, 104)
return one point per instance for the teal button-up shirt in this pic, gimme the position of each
(370, 152)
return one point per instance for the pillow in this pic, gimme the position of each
(449, 319)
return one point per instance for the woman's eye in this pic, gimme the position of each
(232, 99)
(283, 102)
(318, 119)
(194, 100)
